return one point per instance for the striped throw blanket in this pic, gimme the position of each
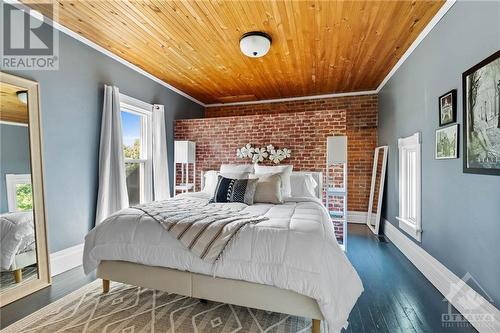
(204, 228)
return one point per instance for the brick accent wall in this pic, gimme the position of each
(301, 126)
(303, 132)
(360, 126)
(358, 107)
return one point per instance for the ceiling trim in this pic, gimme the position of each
(13, 123)
(428, 28)
(99, 48)
(439, 15)
(291, 99)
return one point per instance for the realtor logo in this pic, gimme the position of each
(28, 41)
(462, 294)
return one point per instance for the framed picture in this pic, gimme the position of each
(447, 142)
(481, 98)
(448, 108)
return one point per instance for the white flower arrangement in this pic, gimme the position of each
(260, 154)
(246, 151)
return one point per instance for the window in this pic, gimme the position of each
(410, 185)
(19, 192)
(137, 149)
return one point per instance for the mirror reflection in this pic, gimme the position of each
(18, 261)
(377, 188)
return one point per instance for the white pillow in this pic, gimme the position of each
(210, 182)
(285, 178)
(211, 178)
(236, 168)
(303, 185)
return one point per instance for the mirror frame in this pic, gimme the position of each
(385, 150)
(35, 140)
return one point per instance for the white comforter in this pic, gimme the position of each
(295, 249)
(17, 235)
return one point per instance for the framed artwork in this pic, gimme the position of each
(448, 108)
(481, 98)
(447, 142)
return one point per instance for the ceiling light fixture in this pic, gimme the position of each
(22, 96)
(255, 44)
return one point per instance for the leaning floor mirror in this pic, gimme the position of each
(24, 266)
(377, 188)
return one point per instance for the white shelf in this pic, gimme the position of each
(188, 177)
(336, 193)
(184, 187)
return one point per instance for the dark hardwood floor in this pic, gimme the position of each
(62, 285)
(397, 297)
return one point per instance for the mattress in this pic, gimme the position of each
(17, 236)
(294, 249)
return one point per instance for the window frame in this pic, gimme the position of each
(145, 111)
(412, 226)
(11, 182)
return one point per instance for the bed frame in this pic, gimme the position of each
(22, 260)
(242, 293)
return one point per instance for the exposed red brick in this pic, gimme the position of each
(301, 126)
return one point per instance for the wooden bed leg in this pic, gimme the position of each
(18, 275)
(316, 326)
(105, 286)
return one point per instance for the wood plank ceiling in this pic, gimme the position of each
(319, 47)
(11, 108)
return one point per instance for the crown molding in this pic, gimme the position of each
(428, 28)
(439, 15)
(291, 99)
(13, 123)
(101, 49)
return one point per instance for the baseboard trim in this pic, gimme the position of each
(465, 299)
(356, 217)
(64, 260)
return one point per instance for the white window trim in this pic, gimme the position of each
(138, 107)
(11, 182)
(412, 228)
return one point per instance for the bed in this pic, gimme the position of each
(288, 263)
(17, 242)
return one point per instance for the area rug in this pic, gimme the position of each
(7, 281)
(128, 309)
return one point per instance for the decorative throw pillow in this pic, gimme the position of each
(285, 169)
(268, 189)
(235, 190)
(211, 179)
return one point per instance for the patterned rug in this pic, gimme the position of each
(128, 309)
(7, 278)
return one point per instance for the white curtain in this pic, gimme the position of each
(161, 184)
(112, 195)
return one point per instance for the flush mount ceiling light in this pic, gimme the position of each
(255, 44)
(22, 96)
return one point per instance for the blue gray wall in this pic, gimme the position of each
(71, 106)
(15, 156)
(460, 212)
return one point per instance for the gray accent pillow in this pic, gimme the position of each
(269, 189)
(285, 178)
